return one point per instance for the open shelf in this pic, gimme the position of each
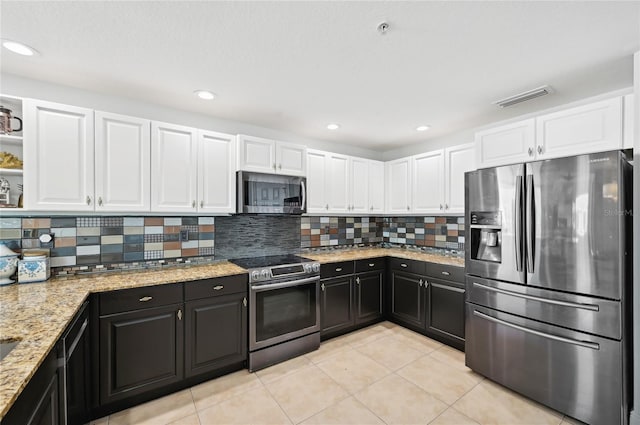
(11, 172)
(10, 139)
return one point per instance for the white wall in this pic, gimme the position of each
(22, 87)
(635, 415)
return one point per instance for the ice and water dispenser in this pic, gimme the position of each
(486, 236)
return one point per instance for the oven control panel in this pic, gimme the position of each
(284, 271)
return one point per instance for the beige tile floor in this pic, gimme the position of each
(383, 374)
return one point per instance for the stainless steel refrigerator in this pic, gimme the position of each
(548, 278)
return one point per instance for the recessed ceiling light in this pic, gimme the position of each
(18, 48)
(204, 94)
(333, 126)
(423, 128)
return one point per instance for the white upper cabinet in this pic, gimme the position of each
(398, 186)
(173, 168)
(507, 144)
(458, 160)
(628, 122)
(269, 156)
(58, 156)
(376, 187)
(359, 185)
(337, 188)
(123, 161)
(317, 200)
(595, 127)
(428, 182)
(216, 172)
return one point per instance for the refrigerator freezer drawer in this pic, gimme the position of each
(578, 374)
(579, 312)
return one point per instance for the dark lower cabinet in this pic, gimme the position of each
(216, 333)
(336, 305)
(407, 304)
(140, 351)
(445, 312)
(368, 297)
(39, 401)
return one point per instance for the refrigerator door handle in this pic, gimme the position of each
(592, 307)
(529, 222)
(586, 344)
(518, 222)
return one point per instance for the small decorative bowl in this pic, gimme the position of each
(8, 267)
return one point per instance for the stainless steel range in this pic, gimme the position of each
(284, 308)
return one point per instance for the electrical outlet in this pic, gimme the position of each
(184, 235)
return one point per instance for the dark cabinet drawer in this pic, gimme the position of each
(370, 264)
(446, 272)
(336, 269)
(410, 266)
(139, 298)
(216, 286)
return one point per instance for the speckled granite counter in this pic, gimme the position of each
(38, 313)
(333, 256)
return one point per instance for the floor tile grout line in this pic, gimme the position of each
(278, 403)
(225, 399)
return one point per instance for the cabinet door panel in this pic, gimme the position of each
(317, 201)
(216, 333)
(216, 172)
(256, 154)
(123, 162)
(376, 187)
(368, 297)
(398, 184)
(595, 127)
(140, 351)
(458, 160)
(407, 303)
(336, 301)
(359, 178)
(628, 122)
(446, 310)
(428, 182)
(337, 183)
(58, 153)
(174, 168)
(507, 144)
(291, 159)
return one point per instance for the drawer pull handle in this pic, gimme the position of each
(446, 273)
(145, 299)
(403, 265)
(339, 269)
(218, 287)
(372, 264)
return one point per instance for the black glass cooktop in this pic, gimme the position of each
(268, 261)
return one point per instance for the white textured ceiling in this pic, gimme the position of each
(296, 66)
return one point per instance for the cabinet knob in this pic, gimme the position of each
(445, 273)
(358, 280)
(446, 206)
(100, 200)
(408, 208)
(338, 269)
(441, 206)
(193, 204)
(539, 149)
(403, 265)
(322, 287)
(371, 208)
(372, 264)
(326, 207)
(218, 287)
(274, 165)
(201, 204)
(88, 200)
(530, 151)
(420, 283)
(145, 299)
(280, 166)
(244, 301)
(180, 314)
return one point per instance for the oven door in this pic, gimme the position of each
(283, 311)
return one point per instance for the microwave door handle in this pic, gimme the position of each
(303, 205)
(518, 222)
(530, 217)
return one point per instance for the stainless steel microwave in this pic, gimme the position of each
(259, 193)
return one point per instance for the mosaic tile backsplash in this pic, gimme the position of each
(436, 232)
(336, 231)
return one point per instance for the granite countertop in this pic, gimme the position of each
(38, 313)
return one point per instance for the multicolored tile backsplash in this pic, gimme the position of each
(86, 244)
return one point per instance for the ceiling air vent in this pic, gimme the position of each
(523, 97)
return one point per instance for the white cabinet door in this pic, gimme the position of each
(317, 201)
(173, 168)
(359, 178)
(398, 186)
(58, 157)
(428, 182)
(216, 172)
(376, 187)
(256, 154)
(337, 190)
(458, 160)
(122, 163)
(291, 159)
(595, 127)
(507, 144)
(628, 122)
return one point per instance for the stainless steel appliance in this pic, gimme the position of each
(548, 275)
(284, 308)
(260, 193)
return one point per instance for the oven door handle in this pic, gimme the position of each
(260, 288)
